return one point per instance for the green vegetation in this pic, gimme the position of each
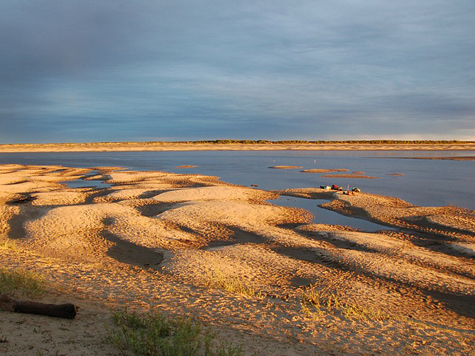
(20, 282)
(154, 334)
(315, 302)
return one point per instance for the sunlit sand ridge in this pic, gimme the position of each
(262, 276)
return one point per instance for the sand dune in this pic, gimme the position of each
(193, 245)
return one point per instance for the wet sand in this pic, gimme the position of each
(159, 241)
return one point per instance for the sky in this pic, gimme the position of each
(160, 70)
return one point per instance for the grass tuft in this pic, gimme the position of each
(316, 301)
(232, 284)
(21, 282)
(8, 245)
(361, 312)
(154, 334)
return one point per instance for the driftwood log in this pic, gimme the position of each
(67, 310)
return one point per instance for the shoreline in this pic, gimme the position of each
(175, 146)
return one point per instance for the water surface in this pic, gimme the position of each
(425, 182)
(325, 216)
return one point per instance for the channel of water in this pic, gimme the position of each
(325, 216)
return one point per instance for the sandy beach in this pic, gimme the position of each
(175, 243)
(193, 146)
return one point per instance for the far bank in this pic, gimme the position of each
(231, 145)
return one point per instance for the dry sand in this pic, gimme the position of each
(160, 241)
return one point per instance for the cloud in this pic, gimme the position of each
(87, 70)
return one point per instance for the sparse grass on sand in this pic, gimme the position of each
(21, 282)
(154, 334)
(315, 302)
(233, 284)
(8, 245)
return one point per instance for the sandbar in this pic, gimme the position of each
(154, 240)
(186, 166)
(286, 167)
(323, 170)
(352, 176)
(451, 158)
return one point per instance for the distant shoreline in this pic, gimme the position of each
(450, 158)
(223, 145)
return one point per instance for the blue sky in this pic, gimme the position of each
(144, 70)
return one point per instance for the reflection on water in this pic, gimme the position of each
(425, 182)
(325, 216)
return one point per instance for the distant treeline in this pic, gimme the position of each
(257, 142)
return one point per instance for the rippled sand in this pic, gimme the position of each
(162, 241)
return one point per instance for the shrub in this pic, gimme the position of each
(154, 334)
